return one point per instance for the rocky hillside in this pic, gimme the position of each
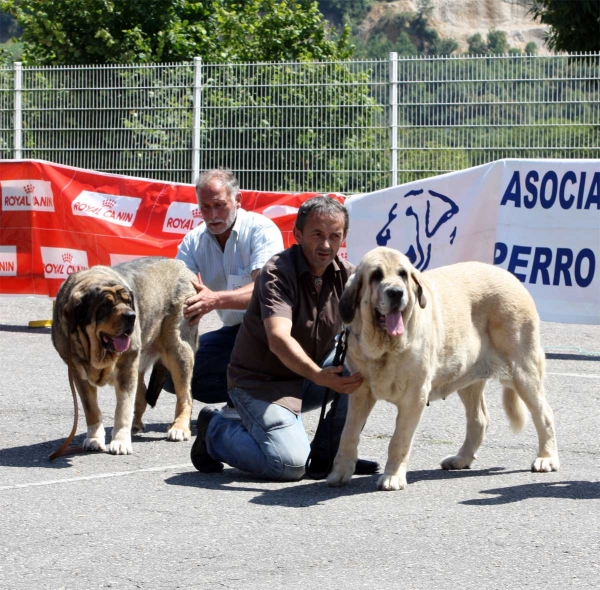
(459, 19)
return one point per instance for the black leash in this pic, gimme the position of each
(338, 359)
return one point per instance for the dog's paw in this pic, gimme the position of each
(138, 427)
(342, 472)
(339, 478)
(456, 462)
(545, 464)
(94, 444)
(120, 447)
(391, 482)
(178, 434)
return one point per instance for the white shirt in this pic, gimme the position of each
(253, 240)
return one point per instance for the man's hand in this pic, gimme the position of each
(200, 304)
(332, 377)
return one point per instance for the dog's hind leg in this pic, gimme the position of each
(180, 362)
(478, 420)
(88, 393)
(140, 406)
(359, 407)
(528, 382)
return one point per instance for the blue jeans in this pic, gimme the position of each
(209, 379)
(270, 440)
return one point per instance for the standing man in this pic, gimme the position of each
(226, 252)
(281, 361)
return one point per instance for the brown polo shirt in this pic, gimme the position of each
(285, 288)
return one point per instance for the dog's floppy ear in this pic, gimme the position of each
(73, 309)
(416, 277)
(79, 309)
(349, 298)
(132, 303)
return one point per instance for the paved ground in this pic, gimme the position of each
(149, 520)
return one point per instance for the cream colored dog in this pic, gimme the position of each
(416, 338)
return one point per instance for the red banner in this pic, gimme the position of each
(55, 220)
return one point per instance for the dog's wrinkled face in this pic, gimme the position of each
(384, 288)
(105, 317)
(389, 295)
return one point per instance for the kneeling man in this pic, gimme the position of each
(281, 361)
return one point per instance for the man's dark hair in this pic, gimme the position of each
(321, 205)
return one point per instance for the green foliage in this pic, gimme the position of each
(477, 45)
(496, 44)
(317, 125)
(574, 25)
(514, 107)
(531, 48)
(407, 33)
(162, 31)
(9, 27)
(341, 11)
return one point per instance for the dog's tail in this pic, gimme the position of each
(515, 409)
(157, 380)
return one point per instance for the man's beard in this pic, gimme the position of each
(227, 224)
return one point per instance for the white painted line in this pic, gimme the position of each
(90, 477)
(575, 375)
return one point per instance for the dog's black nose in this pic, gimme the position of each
(128, 318)
(394, 294)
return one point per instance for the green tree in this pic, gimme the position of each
(574, 25)
(72, 32)
(531, 48)
(497, 42)
(339, 11)
(477, 46)
(9, 27)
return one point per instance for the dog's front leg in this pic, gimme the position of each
(409, 414)
(359, 407)
(125, 388)
(88, 393)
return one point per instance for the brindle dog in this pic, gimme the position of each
(121, 320)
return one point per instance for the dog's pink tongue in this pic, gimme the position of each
(121, 343)
(394, 323)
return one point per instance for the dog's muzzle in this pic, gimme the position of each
(392, 321)
(120, 342)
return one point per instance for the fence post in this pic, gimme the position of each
(393, 118)
(197, 118)
(18, 107)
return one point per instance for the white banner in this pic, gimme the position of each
(540, 219)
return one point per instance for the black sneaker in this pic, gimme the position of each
(319, 468)
(202, 461)
(366, 467)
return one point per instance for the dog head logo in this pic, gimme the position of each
(428, 214)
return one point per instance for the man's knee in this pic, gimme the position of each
(290, 465)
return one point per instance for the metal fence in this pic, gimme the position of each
(349, 127)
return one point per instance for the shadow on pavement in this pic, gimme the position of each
(12, 328)
(36, 455)
(567, 356)
(566, 490)
(308, 492)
